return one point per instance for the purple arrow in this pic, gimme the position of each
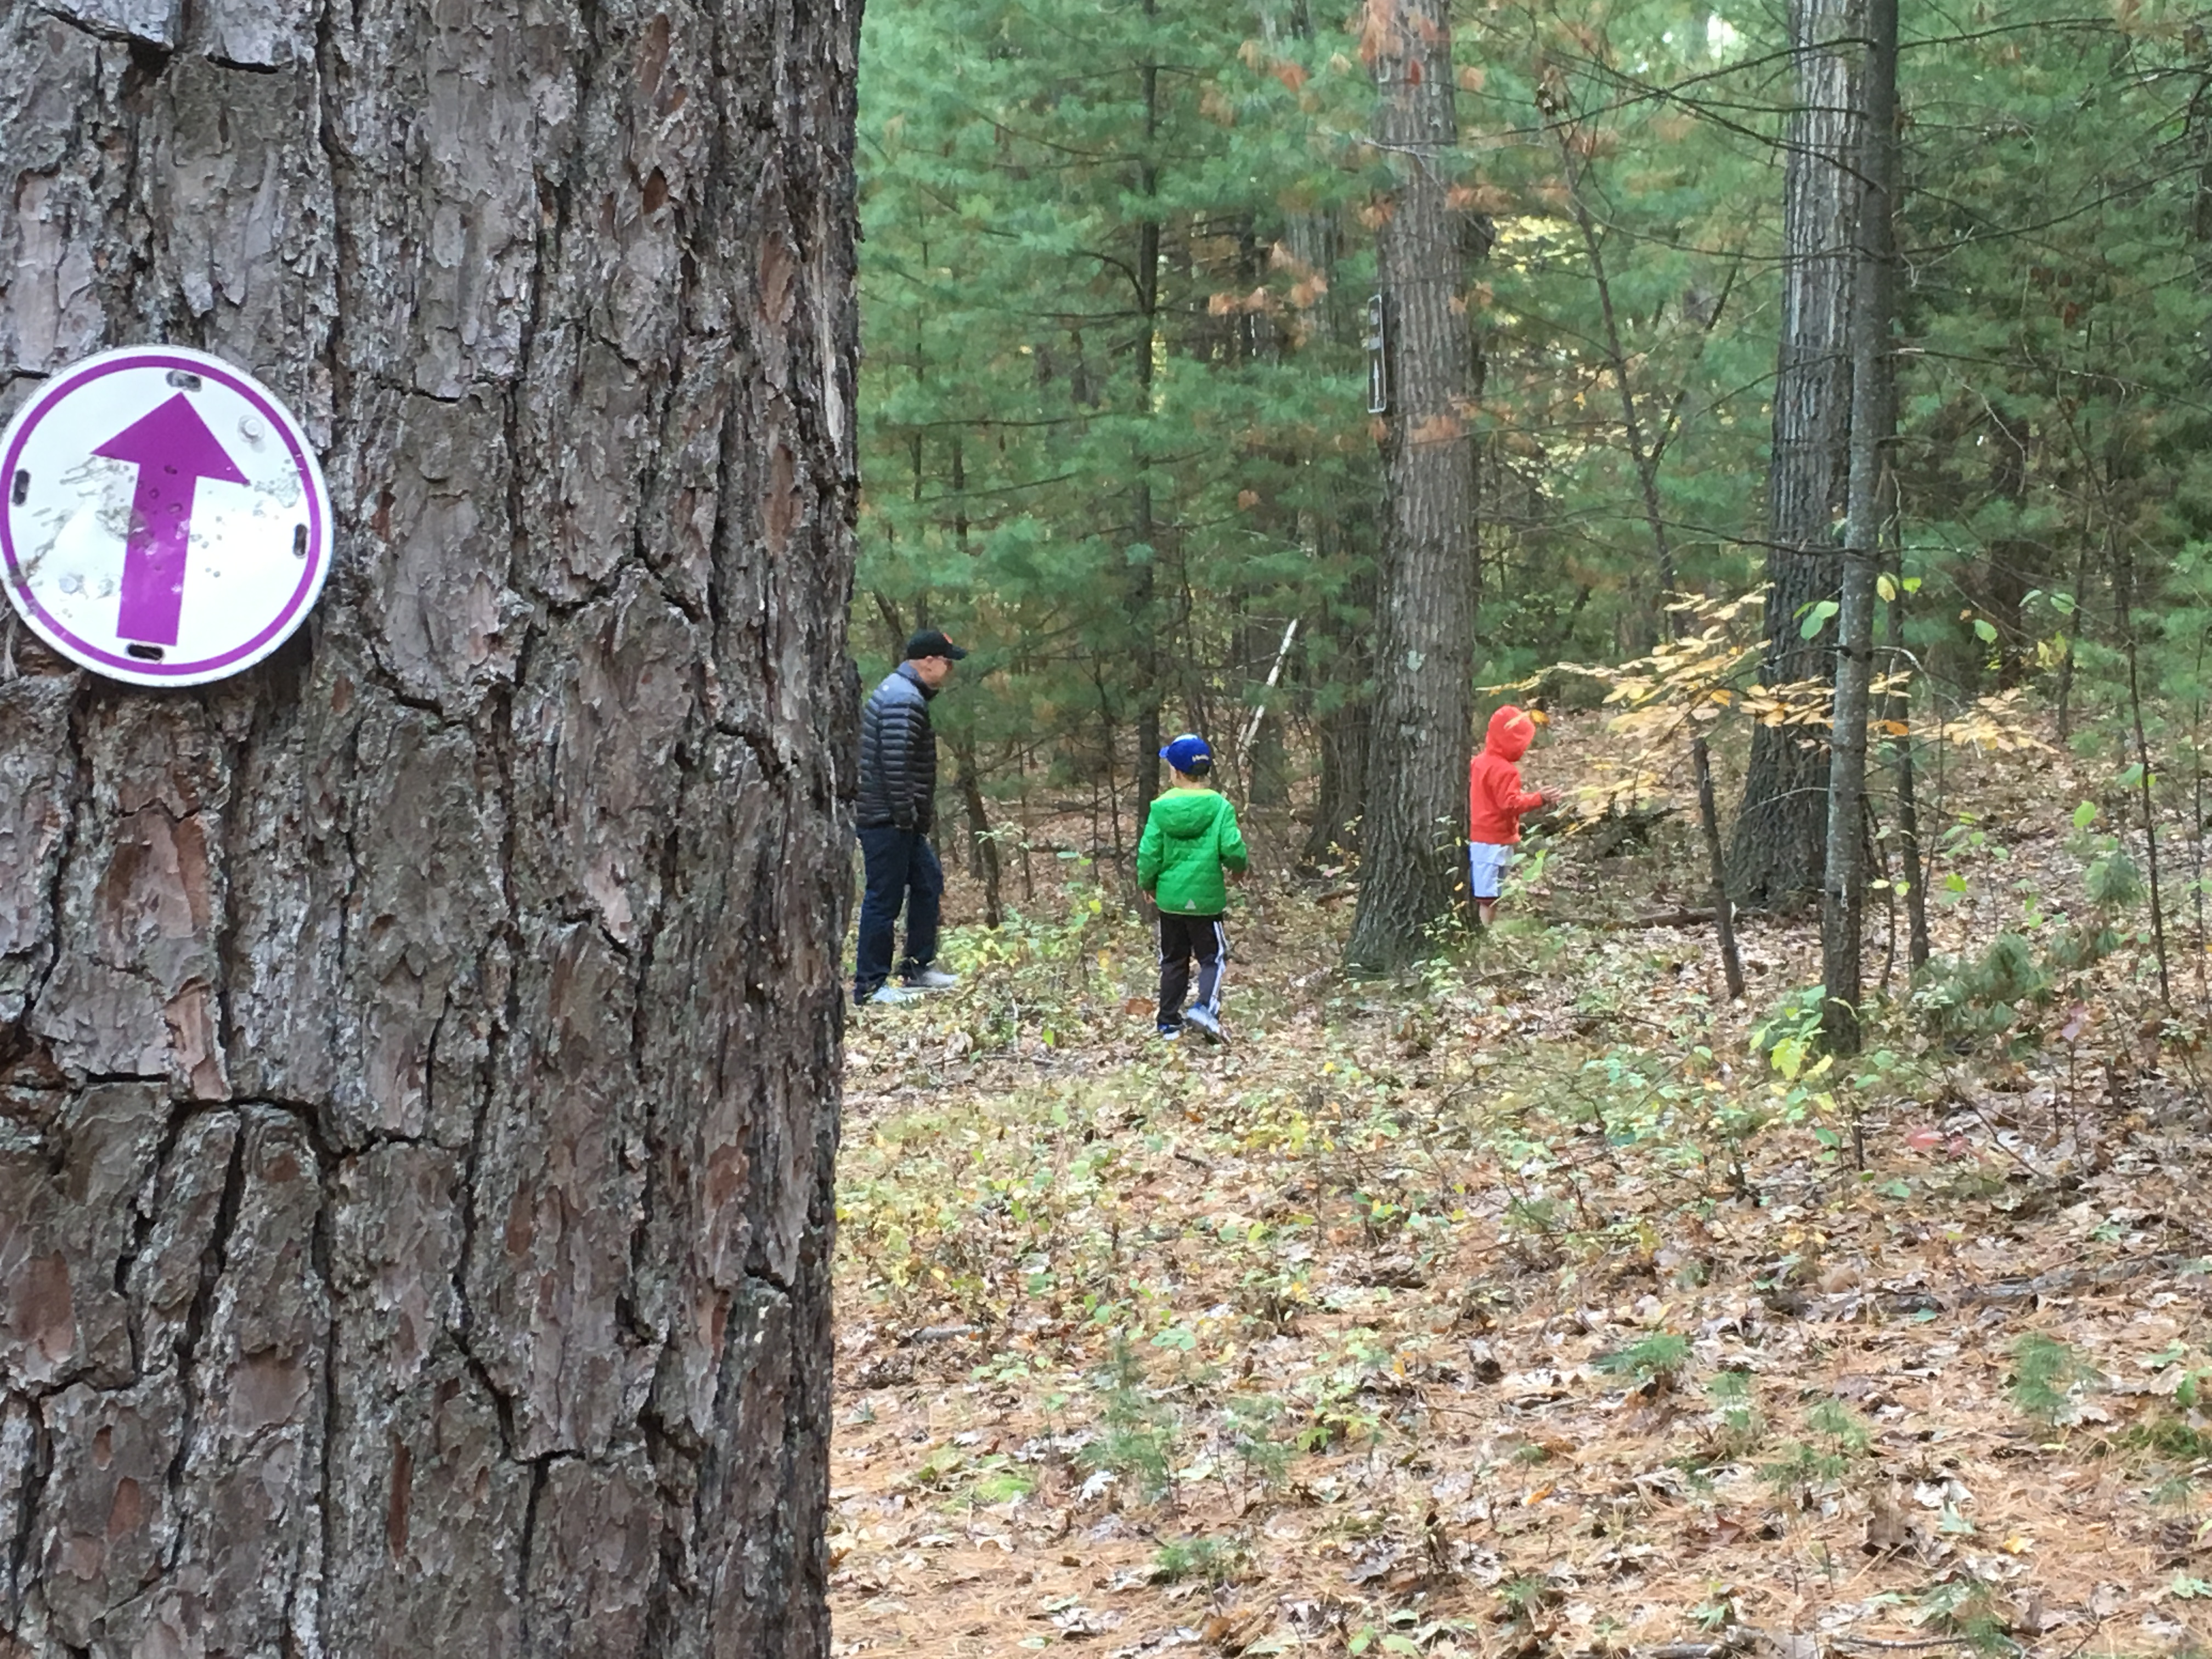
(173, 450)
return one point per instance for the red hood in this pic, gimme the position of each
(1510, 733)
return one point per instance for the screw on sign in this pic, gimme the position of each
(164, 521)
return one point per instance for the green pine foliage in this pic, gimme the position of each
(1113, 414)
(1026, 376)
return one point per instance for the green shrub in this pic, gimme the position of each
(1214, 1560)
(1658, 1358)
(1971, 1002)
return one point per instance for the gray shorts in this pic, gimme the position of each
(1486, 865)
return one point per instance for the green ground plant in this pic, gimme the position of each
(2047, 1376)
(1656, 1359)
(1836, 1442)
(1739, 1427)
(1208, 1561)
(1264, 1458)
(1137, 1431)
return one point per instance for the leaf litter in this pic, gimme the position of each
(1535, 1303)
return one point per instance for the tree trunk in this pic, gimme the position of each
(982, 842)
(1905, 766)
(1337, 645)
(2129, 603)
(2013, 565)
(1424, 638)
(419, 1055)
(1646, 456)
(1776, 857)
(1143, 532)
(1340, 791)
(1143, 611)
(1873, 419)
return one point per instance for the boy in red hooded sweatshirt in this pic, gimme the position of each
(1495, 802)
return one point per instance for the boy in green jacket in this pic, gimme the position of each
(1190, 844)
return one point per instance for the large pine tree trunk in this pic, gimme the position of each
(1776, 859)
(420, 1052)
(1424, 625)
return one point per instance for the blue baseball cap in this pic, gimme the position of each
(1185, 751)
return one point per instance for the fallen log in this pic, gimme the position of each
(1610, 833)
(1683, 917)
(1680, 917)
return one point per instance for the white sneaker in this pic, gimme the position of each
(893, 993)
(932, 978)
(1205, 1024)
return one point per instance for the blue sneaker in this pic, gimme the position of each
(1208, 1026)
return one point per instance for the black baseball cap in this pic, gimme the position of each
(932, 642)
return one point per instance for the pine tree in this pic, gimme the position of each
(1424, 612)
(1777, 858)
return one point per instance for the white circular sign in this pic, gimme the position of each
(162, 519)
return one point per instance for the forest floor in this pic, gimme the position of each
(1540, 1302)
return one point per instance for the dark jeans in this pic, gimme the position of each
(1183, 938)
(902, 871)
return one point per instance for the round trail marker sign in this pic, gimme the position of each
(162, 519)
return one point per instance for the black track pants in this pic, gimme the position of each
(1183, 938)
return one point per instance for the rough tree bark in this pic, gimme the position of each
(418, 1056)
(1775, 857)
(1871, 498)
(1424, 624)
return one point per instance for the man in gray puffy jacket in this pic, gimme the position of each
(897, 808)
